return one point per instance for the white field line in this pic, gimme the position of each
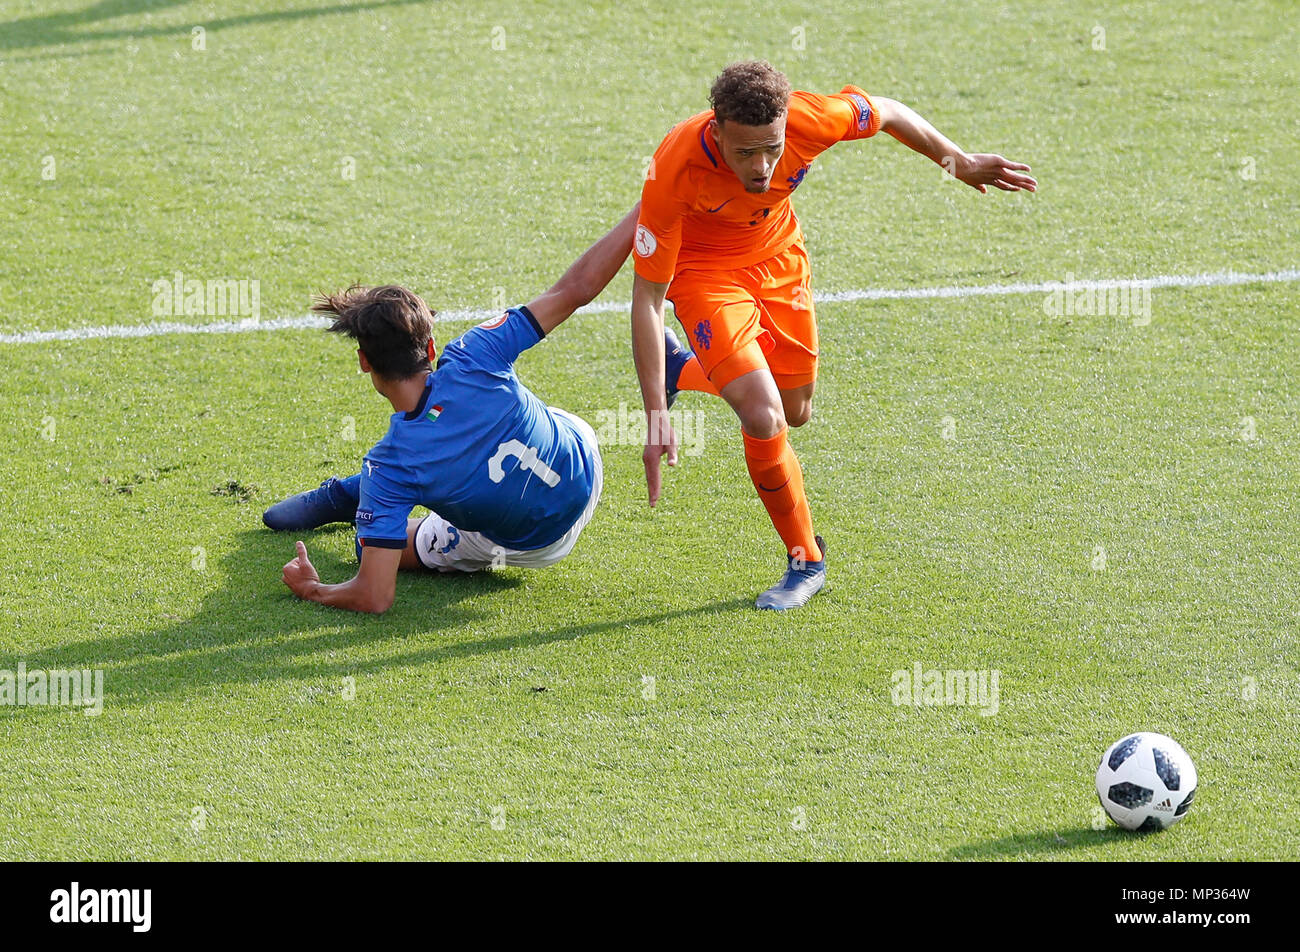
(156, 329)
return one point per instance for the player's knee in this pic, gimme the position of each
(762, 421)
(799, 413)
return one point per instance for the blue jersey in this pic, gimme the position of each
(480, 449)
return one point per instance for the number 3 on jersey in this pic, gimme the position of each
(528, 460)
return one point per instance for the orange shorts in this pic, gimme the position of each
(754, 318)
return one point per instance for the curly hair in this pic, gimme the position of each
(391, 325)
(754, 93)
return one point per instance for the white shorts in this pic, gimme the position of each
(474, 551)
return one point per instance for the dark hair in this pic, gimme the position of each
(391, 325)
(753, 94)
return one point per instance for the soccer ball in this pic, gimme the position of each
(1146, 781)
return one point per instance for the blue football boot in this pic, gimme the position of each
(334, 501)
(797, 585)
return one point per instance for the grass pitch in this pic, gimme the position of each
(1102, 512)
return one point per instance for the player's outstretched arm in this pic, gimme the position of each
(978, 170)
(587, 276)
(372, 590)
(648, 353)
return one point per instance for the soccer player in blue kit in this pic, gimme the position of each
(508, 480)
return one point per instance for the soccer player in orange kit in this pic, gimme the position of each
(718, 237)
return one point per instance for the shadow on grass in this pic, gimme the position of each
(55, 29)
(252, 630)
(1030, 844)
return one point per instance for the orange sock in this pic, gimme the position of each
(692, 378)
(778, 478)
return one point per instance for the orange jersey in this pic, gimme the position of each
(695, 212)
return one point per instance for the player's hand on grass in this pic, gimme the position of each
(661, 439)
(299, 574)
(984, 169)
